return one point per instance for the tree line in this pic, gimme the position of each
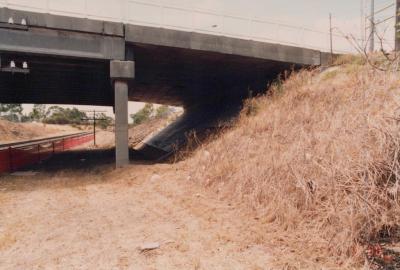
(73, 116)
(149, 112)
(51, 115)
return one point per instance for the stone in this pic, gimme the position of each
(149, 246)
(155, 178)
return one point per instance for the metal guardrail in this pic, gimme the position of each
(42, 140)
(14, 156)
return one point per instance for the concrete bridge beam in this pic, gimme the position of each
(121, 72)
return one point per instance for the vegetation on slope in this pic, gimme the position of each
(149, 113)
(318, 159)
(11, 132)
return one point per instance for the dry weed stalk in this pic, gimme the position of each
(382, 61)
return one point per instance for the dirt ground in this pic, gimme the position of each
(100, 219)
(13, 132)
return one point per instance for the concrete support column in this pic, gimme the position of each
(121, 72)
(121, 123)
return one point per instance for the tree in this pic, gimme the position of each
(143, 115)
(11, 112)
(163, 111)
(61, 116)
(38, 113)
(105, 121)
(10, 109)
(25, 118)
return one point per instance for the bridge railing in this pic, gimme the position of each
(191, 19)
(211, 22)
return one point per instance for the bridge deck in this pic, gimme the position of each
(143, 35)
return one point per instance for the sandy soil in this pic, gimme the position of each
(98, 219)
(12, 132)
(70, 220)
(104, 139)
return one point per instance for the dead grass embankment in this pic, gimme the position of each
(12, 132)
(318, 160)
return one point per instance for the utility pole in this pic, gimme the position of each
(397, 27)
(372, 27)
(331, 35)
(94, 127)
(362, 22)
(94, 119)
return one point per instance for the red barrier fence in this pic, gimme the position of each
(16, 157)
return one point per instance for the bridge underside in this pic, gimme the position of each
(163, 75)
(185, 77)
(69, 63)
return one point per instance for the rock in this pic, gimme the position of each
(155, 178)
(149, 246)
(206, 155)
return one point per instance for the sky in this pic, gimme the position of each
(313, 14)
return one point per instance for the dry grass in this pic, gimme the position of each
(10, 131)
(317, 158)
(350, 59)
(7, 240)
(143, 131)
(139, 132)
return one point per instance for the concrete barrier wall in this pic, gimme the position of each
(100, 9)
(186, 18)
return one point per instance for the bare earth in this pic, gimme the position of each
(68, 220)
(13, 132)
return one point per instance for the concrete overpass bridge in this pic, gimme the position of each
(72, 60)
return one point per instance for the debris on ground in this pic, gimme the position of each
(382, 257)
(149, 246)
(24, 173)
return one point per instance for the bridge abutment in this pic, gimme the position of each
(121, 72)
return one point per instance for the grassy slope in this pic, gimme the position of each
(10, 131)
(318, 160)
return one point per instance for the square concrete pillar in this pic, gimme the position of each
(121, 123)
(121, 72)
